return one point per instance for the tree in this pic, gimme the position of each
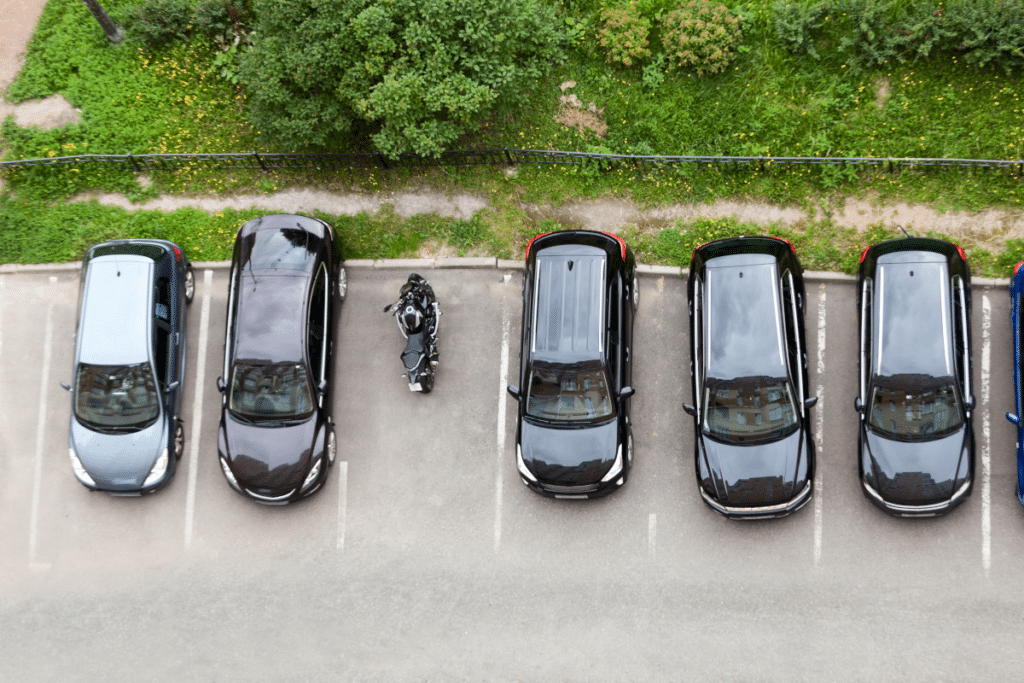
(112, 30)
(420, 73)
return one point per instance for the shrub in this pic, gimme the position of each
(796, 25)
(624, 34)
(158, 22)
(701, 34)
(991, 31)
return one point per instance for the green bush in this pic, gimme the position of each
(623, 34)
(414, 75)
(797, 24)
(701, 34)
(157, 22)
(989, 31)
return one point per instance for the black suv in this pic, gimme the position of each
(580, 295)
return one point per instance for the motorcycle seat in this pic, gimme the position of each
(414, 348)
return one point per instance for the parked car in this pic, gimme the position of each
(754, 449)
(1016, 302)
(580, 295)
(126, 434)
(916, 441)
(276, 441)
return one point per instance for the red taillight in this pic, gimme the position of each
(622, 243)
(1017, 267)
(177, 255)
(698, 248)
(864, 253)
(791, 247)
(532, 239)
(962, 254)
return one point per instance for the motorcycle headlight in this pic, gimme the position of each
(313, 474)
(616, 466)
(230, 477)
(79, 469)
(158, 471)
(523, 469)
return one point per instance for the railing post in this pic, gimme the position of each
(135, 165)
(259, 160)
(384, 161)
(507, 155)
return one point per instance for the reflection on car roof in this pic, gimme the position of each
(568, 312)
(115, 327)
(913, 334)
(271, 311)
(744, 328)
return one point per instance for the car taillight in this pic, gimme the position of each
(864, 253)
(791, 247)
(622, 243)
(962, 254)
(1017, 267)
(530, 243)
(177, 255)
(698, 248)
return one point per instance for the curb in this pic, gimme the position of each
(477, 262)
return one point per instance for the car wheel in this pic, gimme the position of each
(332, 447)
(636, 293)
(629, 449)
(190, 284)
(342, 283)
(179, 441)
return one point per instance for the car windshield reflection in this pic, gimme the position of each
(270, 391)
(116, 397)
(749, 410)
(914, 407)
(577, 392)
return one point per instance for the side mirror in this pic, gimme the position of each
(858, 405)
(627, 392)
(811, 402)
(173, 385)
(66, 386)
(1013, 418)
(221, 387)
(689, 410)
(969, 403)
(514, 392)
(323, 387)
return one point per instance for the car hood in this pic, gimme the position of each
(914, 473)
(569, 457)
(755, 475)
(269, 457)
(118, 462)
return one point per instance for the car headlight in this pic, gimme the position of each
(230, 477)
(523, 469)
(616, 466)
(79, 469)
(158, 471)
(313, 474)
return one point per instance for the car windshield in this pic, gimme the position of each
(577, 392)
(270, 391)
(749, 410)
(116, 397)
(915, 407)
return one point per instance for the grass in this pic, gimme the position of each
(768, 102)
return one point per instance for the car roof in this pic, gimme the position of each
(743, 314)
(280, 243)
(116, 310)
(568, 310)
(271, 314)
(914, 330)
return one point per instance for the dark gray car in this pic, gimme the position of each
(126, 434)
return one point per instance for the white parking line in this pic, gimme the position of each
(3, 308)
(197, 407)
(820, 426)
(502, 394)
(342, 501)
(652, 534)
(37, 479)
(986, 437)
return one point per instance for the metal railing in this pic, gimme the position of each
(144, 163)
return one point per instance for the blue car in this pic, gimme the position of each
(1016, 299)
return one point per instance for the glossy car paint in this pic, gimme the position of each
(1016, 320)
(130, 292)
(270, 319)
(578, 306)
(914, 311)
(747, 325)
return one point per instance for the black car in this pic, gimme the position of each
(126, 434)
(580, 295)
(754, 450)
(276, 441)
(916, 441)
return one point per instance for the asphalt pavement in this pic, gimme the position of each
(424, 558)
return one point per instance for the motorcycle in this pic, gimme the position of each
(417, 314)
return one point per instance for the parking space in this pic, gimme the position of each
(425, 524)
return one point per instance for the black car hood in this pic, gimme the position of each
(755, 475)
(269, 457)
(569, 457)
(914, 473)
